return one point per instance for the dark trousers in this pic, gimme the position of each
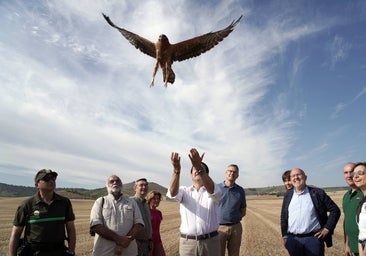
(143, 247)
(56, 251)
(304, 246)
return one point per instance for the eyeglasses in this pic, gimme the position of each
(359, 173)
(296, 175)
(232, 171)
(47, 178)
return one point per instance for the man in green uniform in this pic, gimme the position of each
(44, 217)
(349, 204)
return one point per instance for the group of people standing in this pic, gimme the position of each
(309, 216)
(127, 225)
(122, 225)
(210, 213)
(211, 216)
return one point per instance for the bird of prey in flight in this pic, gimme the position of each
(166, 53)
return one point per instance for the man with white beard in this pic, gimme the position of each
(116, 220)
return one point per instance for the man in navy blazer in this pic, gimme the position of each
(305, 223)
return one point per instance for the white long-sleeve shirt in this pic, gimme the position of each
(198, 209)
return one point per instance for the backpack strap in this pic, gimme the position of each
(91, 232)
(102, 203)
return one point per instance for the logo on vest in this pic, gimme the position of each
(36, 213)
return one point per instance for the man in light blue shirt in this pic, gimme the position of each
(232, 208)
(305, 223)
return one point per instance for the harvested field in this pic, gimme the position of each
(261, 226)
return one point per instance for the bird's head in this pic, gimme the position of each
(163, 38)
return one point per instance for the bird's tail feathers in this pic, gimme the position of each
(171, 75)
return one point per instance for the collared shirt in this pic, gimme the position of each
(46, 223)
(301, 214)
(349, 204)
(198, 209)
(117, 215)
(146, 232)
(231, 203)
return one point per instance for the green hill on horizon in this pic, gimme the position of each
(7, 190)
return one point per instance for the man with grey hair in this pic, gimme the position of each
(144, 237)
(116, 220)
(232, 208)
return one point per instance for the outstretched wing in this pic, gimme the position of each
(195, 46)
(139, 42)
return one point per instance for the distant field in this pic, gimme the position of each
(261, 236)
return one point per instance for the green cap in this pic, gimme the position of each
(42, 173)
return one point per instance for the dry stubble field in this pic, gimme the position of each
(261, 234)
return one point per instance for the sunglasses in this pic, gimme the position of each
(47, 178)
(359, 173)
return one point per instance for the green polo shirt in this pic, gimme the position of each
(44, 223)
(349, 205)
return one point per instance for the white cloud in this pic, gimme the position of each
(361, 93)
(339, 108)
(339, 50)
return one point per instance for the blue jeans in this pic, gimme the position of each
(304, 246)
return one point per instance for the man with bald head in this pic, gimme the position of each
(305, 223)
(350, 201)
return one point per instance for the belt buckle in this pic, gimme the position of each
(195, 237)
(199, 237)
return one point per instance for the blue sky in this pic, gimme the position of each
(285, 89)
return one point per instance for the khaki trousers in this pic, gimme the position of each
(230, 239)
(207, 247)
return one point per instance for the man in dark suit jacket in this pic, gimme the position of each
(305, 224)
